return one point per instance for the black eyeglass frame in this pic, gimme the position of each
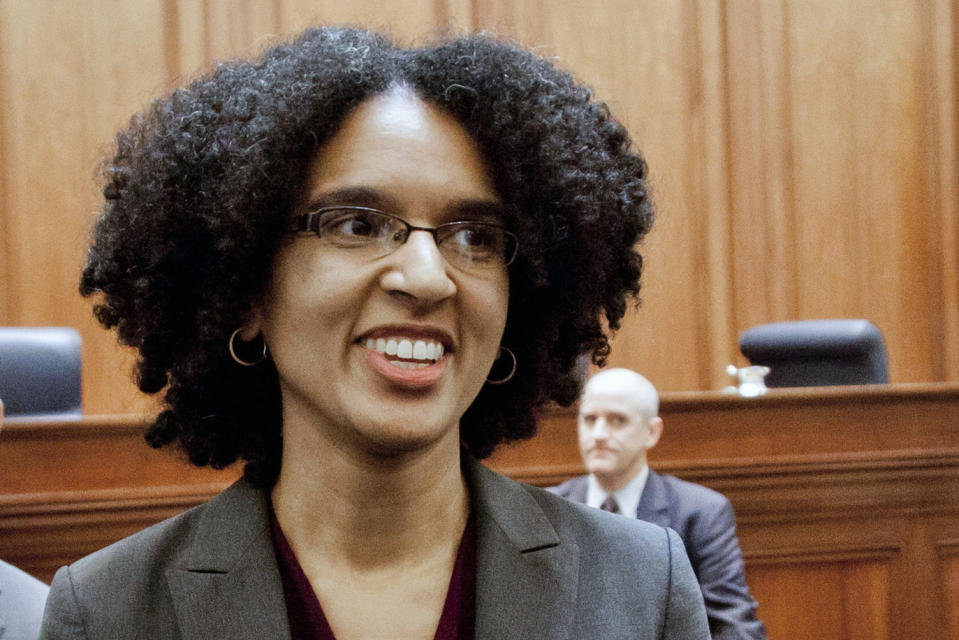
(309, 222)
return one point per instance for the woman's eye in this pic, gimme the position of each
(477, 237)
(356, 225)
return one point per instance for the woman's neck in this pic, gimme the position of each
(367, 509)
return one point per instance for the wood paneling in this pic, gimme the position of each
(827, 600)
(847, 501)
(803, 155)
(949, 555)
(837, 113)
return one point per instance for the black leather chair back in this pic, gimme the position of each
(811, 353)
(40, 371)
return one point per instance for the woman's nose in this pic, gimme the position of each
(418, 270)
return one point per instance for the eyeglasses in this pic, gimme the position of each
(372, 234)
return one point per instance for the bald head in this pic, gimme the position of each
(627, 384)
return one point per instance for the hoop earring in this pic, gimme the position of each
(512, 371)
(237, 359)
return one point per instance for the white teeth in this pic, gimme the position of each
(407, 349)
(419, 350)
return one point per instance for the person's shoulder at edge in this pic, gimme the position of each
(21, 602)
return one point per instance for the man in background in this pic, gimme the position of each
(618, 423)
(21, 599)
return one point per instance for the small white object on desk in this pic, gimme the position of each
(751, 379)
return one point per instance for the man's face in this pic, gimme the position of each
(614, 435)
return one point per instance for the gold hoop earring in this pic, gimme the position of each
(237, 359)
(512, 371)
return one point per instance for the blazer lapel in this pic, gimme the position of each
(527, 577)
(653, 506)
(229, 587)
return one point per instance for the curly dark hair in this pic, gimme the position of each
(203, 182)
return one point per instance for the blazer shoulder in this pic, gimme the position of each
(622, 557)
(136, 566)
(157, 546)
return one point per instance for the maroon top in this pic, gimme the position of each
(305, 614)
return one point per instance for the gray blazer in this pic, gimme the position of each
(705, 520)
(546, 568)
(21, 603)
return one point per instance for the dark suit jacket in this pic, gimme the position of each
(21, 603)
(705, 521)
(546, 568)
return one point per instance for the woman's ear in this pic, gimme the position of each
(254, 326)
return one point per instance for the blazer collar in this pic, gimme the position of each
(653, 503)
(527, 577)
(228, 586)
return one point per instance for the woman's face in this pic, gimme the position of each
(330, 315)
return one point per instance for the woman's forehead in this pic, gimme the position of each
(398, 146)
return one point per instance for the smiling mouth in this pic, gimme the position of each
(407, 353)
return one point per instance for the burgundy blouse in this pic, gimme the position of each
(306, 618)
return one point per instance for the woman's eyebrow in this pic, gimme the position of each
(355, 196)
(479, 211)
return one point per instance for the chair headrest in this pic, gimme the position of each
(40, 371)
(818, 352)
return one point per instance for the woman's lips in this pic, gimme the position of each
(406, 372)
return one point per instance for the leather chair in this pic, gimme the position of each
(810, 353)
(40, 371)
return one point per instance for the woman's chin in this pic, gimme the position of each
(399, 439)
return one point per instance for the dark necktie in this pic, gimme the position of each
(610, 505)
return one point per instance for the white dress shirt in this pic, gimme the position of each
(627, 497)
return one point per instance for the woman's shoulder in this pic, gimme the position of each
(126, 586)
(513, 505)
(145, 556)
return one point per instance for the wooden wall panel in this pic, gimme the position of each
(836, 111)
(827, 601)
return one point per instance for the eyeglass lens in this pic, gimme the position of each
(466, 244)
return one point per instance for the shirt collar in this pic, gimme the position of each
(627, 497)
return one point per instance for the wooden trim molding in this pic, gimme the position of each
(948, 548)
(821, 554)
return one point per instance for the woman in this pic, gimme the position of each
(359, 268)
